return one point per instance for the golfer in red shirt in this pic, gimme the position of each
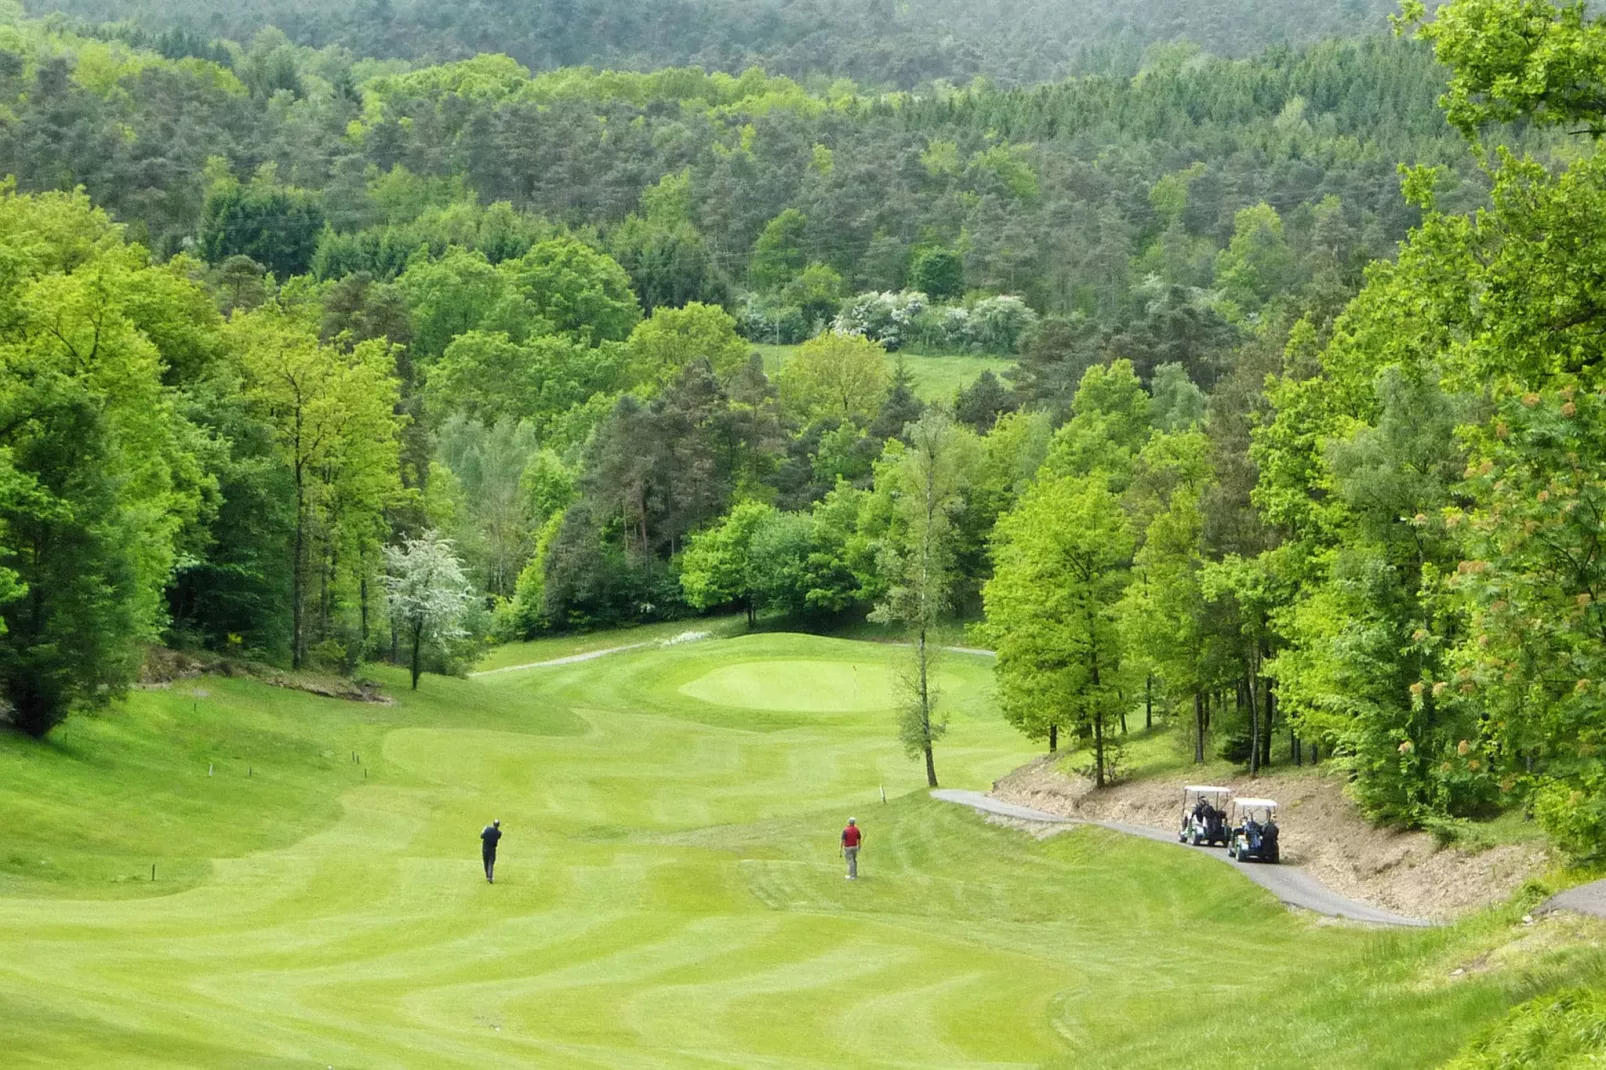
(851, 838)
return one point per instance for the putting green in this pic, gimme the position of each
(669, 893)
(815, 686)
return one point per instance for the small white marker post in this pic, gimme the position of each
(883, 795)
(208, 768)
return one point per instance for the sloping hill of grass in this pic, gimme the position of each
(669, 893)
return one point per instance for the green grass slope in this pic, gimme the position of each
(669, 894)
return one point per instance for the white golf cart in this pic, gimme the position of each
(1254, 831)
(1204, 815)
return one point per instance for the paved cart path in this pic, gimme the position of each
(572, 659)
(1290, 884)
(1584, 899)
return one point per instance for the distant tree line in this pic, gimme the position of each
(878, 42)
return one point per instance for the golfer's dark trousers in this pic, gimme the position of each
(490, 863)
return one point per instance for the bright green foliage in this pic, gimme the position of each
(421, 216)
(778, 254)
(1518, 59)
(671, 339)
(501, 475)
(835, 376)
(1165, 624)
(1062, 563)
(335, 430)
(458, 293)
(1256, 263)
(1169, 196)
(818, 563)
(575, 288)
(1109, 425)
(717, 568)
(669, 202)
(97, 472)
(542, 379)
(1005, 170)
(1532, 572)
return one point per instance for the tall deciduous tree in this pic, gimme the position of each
(717, 567)
(337, 433)
(1063, 557)
(672, 339)
(1163, 615)
(835, 376)
(932, 475)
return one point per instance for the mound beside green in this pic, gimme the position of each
(669, 894)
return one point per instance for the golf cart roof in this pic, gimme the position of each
(1206, 789)
(1256, 804)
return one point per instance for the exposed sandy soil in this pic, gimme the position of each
(1406, 872)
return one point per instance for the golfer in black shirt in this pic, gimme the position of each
(488, 838)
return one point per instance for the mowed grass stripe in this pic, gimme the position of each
(669, 893)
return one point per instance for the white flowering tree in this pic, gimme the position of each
(997, 323)
(881, 317)
(428, 593)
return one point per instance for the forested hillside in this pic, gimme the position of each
(707, 186)
(883, 43)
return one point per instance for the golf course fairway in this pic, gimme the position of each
(669, 892)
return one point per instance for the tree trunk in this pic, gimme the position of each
(418, 645)
(1293, 748)
(1098, 749)
(298, 645)
(1254, 726)
(752, 615)
(1053, 738)
(1098, 727)
(925, 709)
(1268, 721)
(1148, 702)
(1199, 727)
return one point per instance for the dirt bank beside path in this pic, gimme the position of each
(1287, 882)
(1403, 872)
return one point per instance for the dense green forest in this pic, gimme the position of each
(880, 42)
(316, 360)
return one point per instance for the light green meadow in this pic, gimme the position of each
(669, 893)
(937, 377)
